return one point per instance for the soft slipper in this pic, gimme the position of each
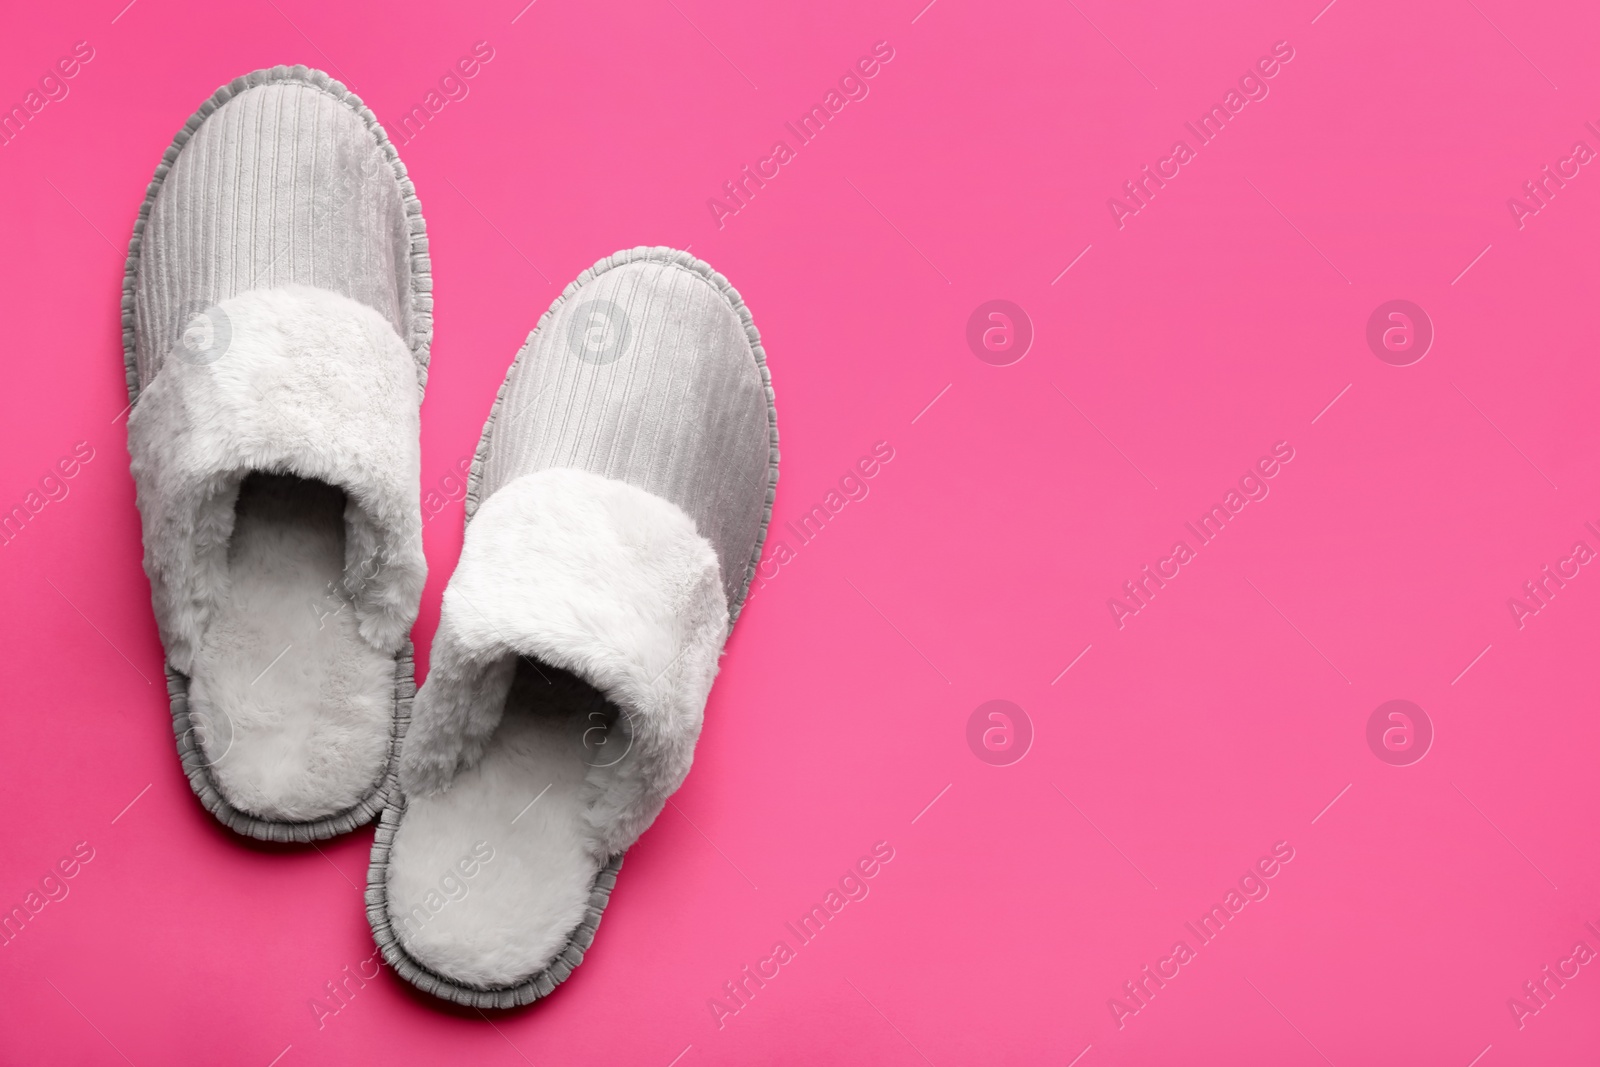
(276, 315)
(616, 508)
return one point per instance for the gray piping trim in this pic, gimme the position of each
(689, 262)
(193, 760)
(541, 984)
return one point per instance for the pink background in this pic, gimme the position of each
(1223, 318)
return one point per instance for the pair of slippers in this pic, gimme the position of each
(277, 313)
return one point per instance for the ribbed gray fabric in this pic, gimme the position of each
(648, 370)
(286, 181)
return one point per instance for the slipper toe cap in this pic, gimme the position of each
(288, 180)
(649, 371)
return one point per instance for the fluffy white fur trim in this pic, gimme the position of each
(309, 383)
(596, 577)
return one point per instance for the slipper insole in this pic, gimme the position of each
(291, 707)
(489, 878)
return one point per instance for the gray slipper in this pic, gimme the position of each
(616, 510)
(276, 315)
